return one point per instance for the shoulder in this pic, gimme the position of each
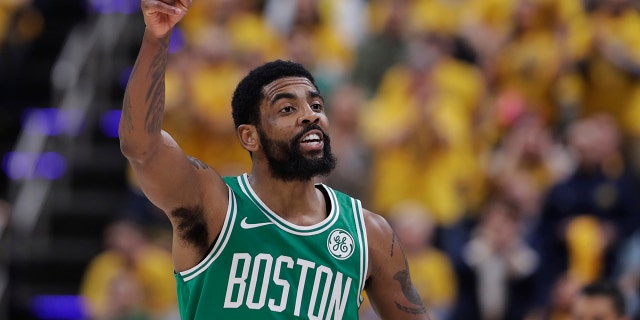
(380, 238)
(377, 226)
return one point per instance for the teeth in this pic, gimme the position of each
(313, 136)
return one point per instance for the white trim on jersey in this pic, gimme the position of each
(361, 229)
(285, 225)
(220, 244)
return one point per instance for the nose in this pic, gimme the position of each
(309, 116)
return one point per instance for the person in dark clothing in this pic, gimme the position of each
(599, 194)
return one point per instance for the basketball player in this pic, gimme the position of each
(270, 244)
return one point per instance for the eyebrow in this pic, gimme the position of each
(288, 95)
(282, 95)
(315, 94)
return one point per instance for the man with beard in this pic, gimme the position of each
(270, 244)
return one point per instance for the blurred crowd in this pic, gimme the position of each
(20, 23)
(501, 138)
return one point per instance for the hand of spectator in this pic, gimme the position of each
(160, 16)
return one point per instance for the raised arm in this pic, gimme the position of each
(176, 183)
(389, 285)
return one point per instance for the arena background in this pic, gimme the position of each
(61, 63)
(486, 74)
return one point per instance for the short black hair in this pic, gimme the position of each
(609, 290)
(248, 94)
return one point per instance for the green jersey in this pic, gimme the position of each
(264, 267)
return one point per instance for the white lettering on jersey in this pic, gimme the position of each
(314, 294)
(283, 283)
(339, 300)
(233, 280)
(305, 264)
(327, 285)
(254, 278)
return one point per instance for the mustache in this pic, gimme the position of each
(304, 131)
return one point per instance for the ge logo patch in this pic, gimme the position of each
(340, 244)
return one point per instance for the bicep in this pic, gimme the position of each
(170, 179)
(389, 285)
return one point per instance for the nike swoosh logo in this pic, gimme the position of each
(246, 225)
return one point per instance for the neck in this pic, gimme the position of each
(298, 202)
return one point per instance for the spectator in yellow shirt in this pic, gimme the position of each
(130, 264)
(420, 126)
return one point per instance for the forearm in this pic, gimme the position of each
(143, 105)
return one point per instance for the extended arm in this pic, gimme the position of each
(177, 184)
(389, 285)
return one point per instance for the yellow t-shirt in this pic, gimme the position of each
(611, 89)
(433, 276)
(432, 160)
(154, 272)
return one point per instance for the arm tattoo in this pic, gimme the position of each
(419, 310)
(155, 95)
(126, 112)
(393, 242)
(409, 291)
(197, 163)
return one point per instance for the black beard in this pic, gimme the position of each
(287, 163)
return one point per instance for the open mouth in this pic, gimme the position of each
(312, 140)
(312, 137)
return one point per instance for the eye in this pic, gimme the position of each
(316, 107)
(286, 109)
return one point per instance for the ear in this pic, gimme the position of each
(248, 137)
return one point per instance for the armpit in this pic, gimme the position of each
(191, 227)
